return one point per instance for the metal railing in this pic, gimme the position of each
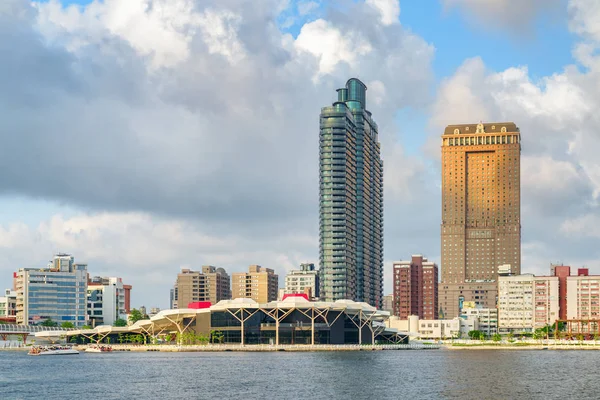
(12, 328)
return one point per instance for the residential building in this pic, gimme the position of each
(127, 289)
(583, 296)
(57, 292)
(481, 211)
(527, 302)
(154, 311)
(105, 300)
(351, 200)
(212, 284)
(562, 272)
(259, 284)
(8, 306)
(298, 280)
(487, 318)
(173, 297)
(388, 303)
(416, 288)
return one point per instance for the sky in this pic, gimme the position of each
(146, 136)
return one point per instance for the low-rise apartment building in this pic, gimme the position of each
(527, 302)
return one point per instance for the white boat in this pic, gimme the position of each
(98, 349)
(93, 350)
(52, 351)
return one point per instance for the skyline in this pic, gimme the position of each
(110, 162)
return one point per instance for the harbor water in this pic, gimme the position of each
(432, 374)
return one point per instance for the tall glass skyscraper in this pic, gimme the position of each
(351, 200)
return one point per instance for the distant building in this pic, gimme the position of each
(105, 300)
(154, 311)
(434, 329)
(8, 306)
(298, 280)
(487, 318)
(173, 297)
(351, 200)
(415, 288)
(57, 292)
(142, 310)
(526, 302)
(388, 303)
(259, 284)
(481, 211)
(212, 284)
(582, 300)
(127, 289)
(562, 272)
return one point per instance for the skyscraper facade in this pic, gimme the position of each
(351, 200)
(481, 212)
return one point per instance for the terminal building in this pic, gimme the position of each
(294, 320)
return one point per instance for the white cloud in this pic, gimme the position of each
(585, 15)
(330, 45)
(389, 10)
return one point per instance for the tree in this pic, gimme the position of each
(48, 322)
(135, 315)
(474, 335)
(120, 322)
(86, 327)
(496, 337)
(67, 324)
(216, 336)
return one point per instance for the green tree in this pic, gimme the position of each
(67, 324)
(135, 315)
(475, 334)
(48, 322)
(496, 337)
(86, 327)
(216, 336)
(120, 322)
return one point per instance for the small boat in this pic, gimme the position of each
(98, 349)
(52, 351)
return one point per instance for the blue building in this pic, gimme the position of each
(351, 200)
(57, 292)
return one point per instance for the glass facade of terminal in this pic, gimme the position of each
(351, 200)
(260, 328)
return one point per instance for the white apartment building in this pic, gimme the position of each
(8, 304)
(57, 292)
(487, 318)
(297, 281)
(434, 329)
(583, 300)
(105, 300)
(526, 302)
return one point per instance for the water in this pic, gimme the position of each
(431, 374)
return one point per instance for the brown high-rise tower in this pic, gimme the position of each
(481, 212)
